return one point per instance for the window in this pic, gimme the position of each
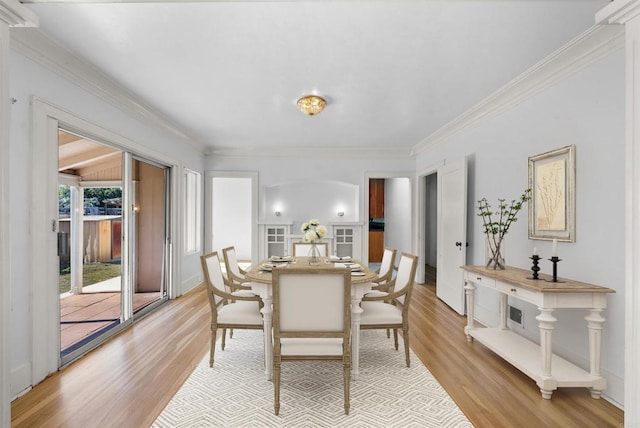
(192, 211)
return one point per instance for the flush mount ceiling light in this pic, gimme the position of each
(311, 104)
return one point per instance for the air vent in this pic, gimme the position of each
(515, 315)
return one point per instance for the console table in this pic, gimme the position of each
(538, 361)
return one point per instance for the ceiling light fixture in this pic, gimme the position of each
(311, 104)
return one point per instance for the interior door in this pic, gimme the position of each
(452, 233)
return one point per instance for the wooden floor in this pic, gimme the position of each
(128, 381)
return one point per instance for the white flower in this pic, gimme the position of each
(313, 230)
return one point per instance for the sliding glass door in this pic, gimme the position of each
(112, 241)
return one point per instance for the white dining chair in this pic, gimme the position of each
(302, 249)
(234, 279)
(227, 311)
(391, 310)
(385, 271)
(311, 320)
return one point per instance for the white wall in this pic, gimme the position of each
(397, 215)
(586, 109)
(345, 174)
(30, 79)
(299, 201)
(275, 171)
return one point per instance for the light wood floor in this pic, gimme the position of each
(127, 381)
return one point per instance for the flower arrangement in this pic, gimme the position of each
(496, 227)
(313, 230)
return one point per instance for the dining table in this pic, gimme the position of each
(259, 277)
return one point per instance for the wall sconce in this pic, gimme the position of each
(340, 213)
(277, 213)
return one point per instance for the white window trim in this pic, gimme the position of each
(192, 221)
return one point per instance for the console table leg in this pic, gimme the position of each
(469, 292)
(595, 323)
(547, 321)
(503, 311)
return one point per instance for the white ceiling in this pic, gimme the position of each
(228, 73)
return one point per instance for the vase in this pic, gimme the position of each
(494, 255)
(314, 255)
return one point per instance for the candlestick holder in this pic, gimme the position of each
(535, 268)
(554, 277)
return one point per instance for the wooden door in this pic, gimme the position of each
(376, 211)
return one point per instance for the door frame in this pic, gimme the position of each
(421, 241)
(45, 302)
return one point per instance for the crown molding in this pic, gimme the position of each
(618, 12)
(16, 15)
(37, 46)
(585, 49)
(313, 153)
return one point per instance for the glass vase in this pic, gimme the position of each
(314, 255)
(494, 255)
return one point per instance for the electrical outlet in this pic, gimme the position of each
(515, 315)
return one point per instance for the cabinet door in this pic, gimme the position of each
(344, 241)
(275, 241)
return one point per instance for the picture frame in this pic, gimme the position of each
(552, 206)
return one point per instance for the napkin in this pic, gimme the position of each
(339, 259)
(352, 266)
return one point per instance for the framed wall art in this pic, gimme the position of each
(552, 206)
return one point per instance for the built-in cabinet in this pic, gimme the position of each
(273, 239)
(347, 239)
(276, 239)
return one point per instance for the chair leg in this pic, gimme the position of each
(276, 388)
(230, 333)
(213, 347)
(388, 333)
(405, 339)
(395, 338)
(347, 385)
(224, 336)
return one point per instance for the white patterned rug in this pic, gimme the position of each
(235, 393)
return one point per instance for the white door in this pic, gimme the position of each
(452, 233)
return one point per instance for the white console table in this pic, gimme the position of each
(538, 361)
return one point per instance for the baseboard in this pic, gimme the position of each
(20, 382)
(190, 283)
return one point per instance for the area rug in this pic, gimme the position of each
(235, 393)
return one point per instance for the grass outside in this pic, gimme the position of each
(91, 274)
